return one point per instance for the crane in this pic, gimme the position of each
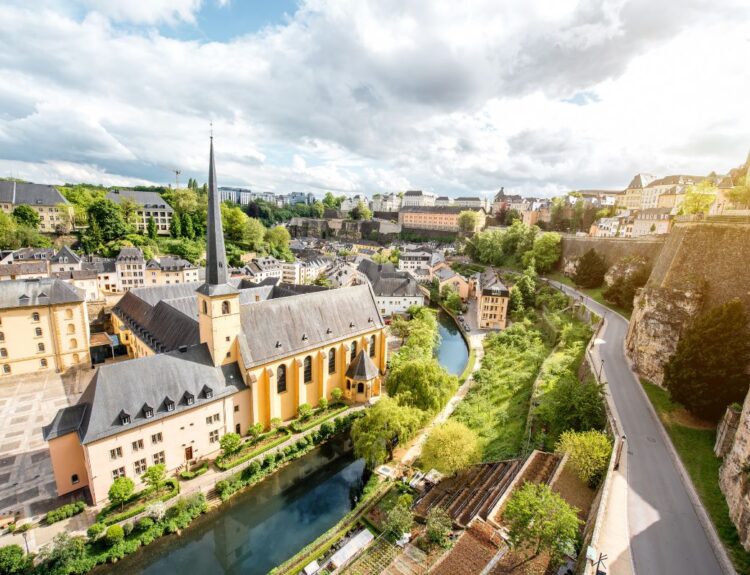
(176, 173)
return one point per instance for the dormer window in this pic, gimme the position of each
(278, 344)
(148, 411)
(169, 404)
(351, 324)
(208, 393)
(124, 418)
(189, 398)
(304, 337)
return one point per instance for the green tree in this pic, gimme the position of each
(539, 520)
(318, 209)
(129, 209)
(155, 476)
(590, 270)
(526, 285)
(121, 490)
(512, 216)
(13, 561)
(323, 403)
(278, 239)
(361, 212)
(255, 430)
(572, 405)
(421, 383)
(451, 299)
(699, 198)
(254, 234)
(450, 447)
(740, 193)
(588, 453)
(175, 226)
(622, 290)
(230, 443)
(439, 526)
(186, 226)
(384, 425)
(545, 252)
(515, 303)
(322, 281)
(66, 555)
(398, 520)
(107, 216)
(468, 220)
(336, 394)
(331, 201)
(400, 327)
(26, 216)
(151, 228)
(233, 220)
(707, 371)
(304, 411)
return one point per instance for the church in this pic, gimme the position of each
(210, 359)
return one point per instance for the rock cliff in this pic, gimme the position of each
(734, 477)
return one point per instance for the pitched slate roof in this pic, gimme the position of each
(74, 275)
(440, 209)
(132, 255)
(38, 292)
(386, 281)
(362, 368)
(26, 254)
(151, 200)
(128, 386)
(170, 264)
(23, 268)
(65, 255)
(285, 326)
(33, 194)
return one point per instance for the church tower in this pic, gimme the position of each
(218, 302)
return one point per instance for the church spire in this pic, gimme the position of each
(217, 272)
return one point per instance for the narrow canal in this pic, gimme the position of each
(268, 523)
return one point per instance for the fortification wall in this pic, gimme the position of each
(612, 249)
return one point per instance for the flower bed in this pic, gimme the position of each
(64, 511)
(137, 503)
(193, 473)
(320, 416)
(252, 449)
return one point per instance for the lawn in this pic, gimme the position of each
(694, 443)
(594, 293)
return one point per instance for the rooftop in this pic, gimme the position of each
(33, 194)
(146, 199)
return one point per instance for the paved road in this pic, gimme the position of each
(666, 536)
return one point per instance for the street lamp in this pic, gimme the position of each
(25, 541)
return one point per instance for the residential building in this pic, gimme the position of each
(170, 270)
(352, 202)
(470, 202)
(65, 260)
(24, 271)
(262, 268)
(55, 212)
(652, 221)
(27, 255)
(130, 267)
(633, 194)
(151, 205)
(213, 358)
(417, 198)
(492, 300)
(443, 201)
(106, 273)
(241, 196)
(437, 218)
(86, 281)
(386, 202)
(674, 185)
(447, 277)
(43, 327)
(395, 291)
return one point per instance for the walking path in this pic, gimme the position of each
(668, 530)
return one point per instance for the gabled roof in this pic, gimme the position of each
(38, 292)
(128, 386)
(32, 194)
(387, 281)
(24, 268)
(362, 368)
(131, 255)
(65, 255)
(151, 200)
(441, 209)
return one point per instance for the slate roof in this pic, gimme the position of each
(37, 292)
(25, 254)
(491, 285)
(65, 252)
(444, 274)
(99, 265)
(640, 181)
(23, 268)
(676, 180)
(151, 200)
(130, 255)
(440, 209)
(129, 386)
(305, 322)
(170, 264)
(412, 193)
(32, 194)
(386, 281)
(362, 368)
(74, 275)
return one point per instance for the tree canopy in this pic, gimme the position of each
(588, 453)
(421, 383)
(590, 270)
(26, 216)
(468, 220)
(451, 447)
(384, 425)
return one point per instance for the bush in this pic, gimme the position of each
(451, 447)
(588, 453)
(337, 394)
(64, 512)
(323, 403)
(127, 528)
(95, 530)
(398, 521)
(230, 443)
(13, 561)
(304, 411)
(187, 475)
(439, 526)
(114, 534)
(590, 270)
(144, 524)
(327, 428)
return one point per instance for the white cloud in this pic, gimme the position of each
(376, 96)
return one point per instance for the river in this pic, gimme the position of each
(268, 523)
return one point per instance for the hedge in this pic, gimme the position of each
(104, 515)
(188, 475)
(254, 453)
(333, 410)
(64, 511)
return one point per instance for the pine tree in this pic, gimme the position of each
(187, 226)
(590, 270)
(707, 371)
(151, 227)
(175, 227)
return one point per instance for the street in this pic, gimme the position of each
(666, 534)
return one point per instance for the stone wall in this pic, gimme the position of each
(700, 266)
(612, 249)
(734, 477)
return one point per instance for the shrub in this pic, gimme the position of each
(144, 524)
(121, 490)
(398, 521)
(127, 528)
(95, 530)
(255, 430)
(327, 428)
(323, 403)
(451, 447)
(439, 526)
(230, 443)
(588, 453)
(193, 473)
(13, 561)
(590, 270)
(276, 422)
(336, 394)
(304, 411)
(12, 528)
(64, 512)
(114, 534)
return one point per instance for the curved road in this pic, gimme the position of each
(666, 535)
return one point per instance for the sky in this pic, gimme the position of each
(372, 96)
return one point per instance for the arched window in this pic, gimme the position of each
(40, 346)
(281, 379)
(3, 352)
(360, 387)
(43, 362)
(332, 361)
(6, 368)
(35, 316)
(69, 313)
(372, 345)
(76, 358)
(205, 307)
(71, 328)
(225, 307)
(38, 332)
(308, 369)
(353, 351)
(73, 343)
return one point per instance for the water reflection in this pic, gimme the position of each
(452, 352)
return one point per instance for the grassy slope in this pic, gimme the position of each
(695, 447)
(593, 293)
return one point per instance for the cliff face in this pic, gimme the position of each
(613, 250)
(734, 477)
(701, 265)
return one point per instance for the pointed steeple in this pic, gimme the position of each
(217, 272)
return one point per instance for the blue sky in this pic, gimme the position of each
(367, 96)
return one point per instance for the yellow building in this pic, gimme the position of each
(633, 196)
(438, 218)
(44, 326)
(213, 358)
(492, 300)
(47, 201)
(170, 270)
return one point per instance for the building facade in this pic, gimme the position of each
(417, 198)
(151, 205)
(437, 218)
(55, 213)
